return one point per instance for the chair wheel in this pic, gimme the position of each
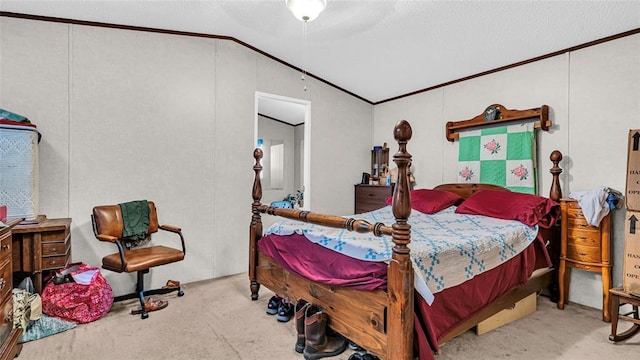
(180, 293)
(144, 316)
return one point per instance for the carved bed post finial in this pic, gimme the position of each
(402, 132)
(556, 192)
(257, 168)
(255, 230)
(400, 274)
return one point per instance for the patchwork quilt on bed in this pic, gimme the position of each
(447, 249)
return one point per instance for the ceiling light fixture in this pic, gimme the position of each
(306, 10)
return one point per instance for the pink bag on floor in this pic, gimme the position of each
(78, 293)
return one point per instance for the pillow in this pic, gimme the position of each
(526, 208)
(431, 201)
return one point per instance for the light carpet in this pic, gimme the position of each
(216, 319)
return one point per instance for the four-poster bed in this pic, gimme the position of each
(384, 320)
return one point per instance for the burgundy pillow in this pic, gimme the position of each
(527, 208)
(431, 201)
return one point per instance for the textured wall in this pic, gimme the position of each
(129, 115)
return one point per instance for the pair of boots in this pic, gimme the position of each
(313, 341)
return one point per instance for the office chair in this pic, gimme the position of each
(108, 225)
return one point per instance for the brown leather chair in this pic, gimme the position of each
(108, 226)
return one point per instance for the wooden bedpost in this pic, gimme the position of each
(556, 192)
(255, 230)
(400, 272)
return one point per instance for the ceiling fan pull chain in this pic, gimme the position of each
(304, 49)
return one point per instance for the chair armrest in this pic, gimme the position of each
(108, 238)
(177, 230)
(171, 228)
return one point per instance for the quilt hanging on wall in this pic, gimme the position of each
(501, 155)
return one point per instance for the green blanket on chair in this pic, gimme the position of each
(135, 219)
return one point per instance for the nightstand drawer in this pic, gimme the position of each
(582, 237)
(587, 254)
(572, 205)
(577, 219)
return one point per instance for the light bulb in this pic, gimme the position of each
(306, 10)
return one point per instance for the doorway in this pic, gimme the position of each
(282, 129)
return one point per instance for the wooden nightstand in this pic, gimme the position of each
(584, 247)
(370, 197)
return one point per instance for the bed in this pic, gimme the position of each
(390, 319)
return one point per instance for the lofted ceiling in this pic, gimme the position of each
(376, 50)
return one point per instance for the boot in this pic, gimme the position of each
(317, 343)
(301, 307)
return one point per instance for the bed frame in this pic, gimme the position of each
(381, 322)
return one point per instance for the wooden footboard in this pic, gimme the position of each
(356, 314)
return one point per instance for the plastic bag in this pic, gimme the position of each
(27, 304)
(83, 301)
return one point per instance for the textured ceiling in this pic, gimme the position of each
(375, 49)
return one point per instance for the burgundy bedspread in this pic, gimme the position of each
(451, 306)
(300, 256)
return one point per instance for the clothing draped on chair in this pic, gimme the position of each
(500, 155)
(135, 219)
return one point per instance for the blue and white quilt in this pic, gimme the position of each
(447, 249)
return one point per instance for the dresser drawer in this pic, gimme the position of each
(57, 235)
(5, 247)
(55, 248)
(370, 197)
(6, 277)
(55, 262)
(373, 192)
(6, 318)
(586, 254)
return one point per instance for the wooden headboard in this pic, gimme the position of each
(498, 114)
(467, 189)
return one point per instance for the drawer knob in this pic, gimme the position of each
(2, 283)
(54, 249)
(5, 247)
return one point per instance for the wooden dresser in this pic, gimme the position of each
(9, 347)
(370, 197)
(584, 247)
(38, 248)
